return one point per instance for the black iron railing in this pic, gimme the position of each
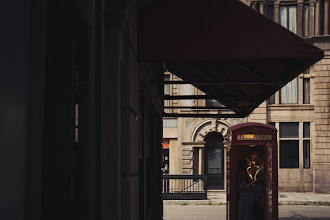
(184, 187)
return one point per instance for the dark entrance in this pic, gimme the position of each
(213, 160)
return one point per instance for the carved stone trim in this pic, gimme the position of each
(212, 125)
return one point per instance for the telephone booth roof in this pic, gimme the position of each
(237, 127)
(253, 133)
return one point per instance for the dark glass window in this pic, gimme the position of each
(271, 100)
(167, 92)
(212, 103)
(271, 124)
(270, 12)
(289, 130)
(307, 71)
(289, 154)
(321, 16)
(167, 86)
(307, 154)
(307, 130)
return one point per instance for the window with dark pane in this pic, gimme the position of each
(307, 71)
(270, 12)
(289, 154)
(321, 17)
(289, 130)
(307, 130)
(271, 124)
(212, 103)
(307, 154)
(167, 92)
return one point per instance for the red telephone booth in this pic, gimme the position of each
(258, 143)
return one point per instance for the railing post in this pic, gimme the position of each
(205, 186)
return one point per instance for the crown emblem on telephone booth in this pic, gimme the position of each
(253, 170)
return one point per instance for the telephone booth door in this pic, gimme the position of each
(252, 181)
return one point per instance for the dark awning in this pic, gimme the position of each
(229, 51)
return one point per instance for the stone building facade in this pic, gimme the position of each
(300, 111)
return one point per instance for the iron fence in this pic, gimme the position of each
(184, 187)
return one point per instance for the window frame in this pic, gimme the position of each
(301, 77)
(304, 139)
(296, 139)
(167, 103)
(301, 139)
(301, 95)
(288, 5)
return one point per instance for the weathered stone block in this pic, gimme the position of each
(322, 103)
(325, 158)
(321, 180)
(187, 153)
(322, 79)
(322, 151)
(322, 91)
(322, 127)
(322, 97)
(187, 162)
(322, 85)
(187, 157)
(187, 171)
(320, 139)
(324, 61)
(187, 166)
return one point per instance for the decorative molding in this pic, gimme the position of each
(189, 121)
(212, 125)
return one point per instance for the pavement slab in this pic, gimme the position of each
(284, 198)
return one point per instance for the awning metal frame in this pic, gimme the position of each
(221, 83)
(201, 115)
(201, 107)
(197, 115)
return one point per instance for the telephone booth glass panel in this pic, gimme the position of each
(252, 190)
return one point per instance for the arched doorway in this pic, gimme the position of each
(214, 160)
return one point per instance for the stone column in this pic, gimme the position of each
(311, 18)
(300, 20)
(200, 161)
(262, 8)
(317, 17)
(326, 17)
(276, 12)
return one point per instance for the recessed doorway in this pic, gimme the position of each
(214, 160)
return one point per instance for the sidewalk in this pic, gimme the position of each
(284, 198)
